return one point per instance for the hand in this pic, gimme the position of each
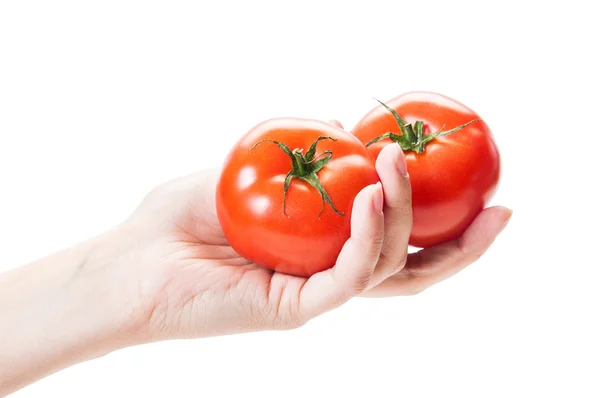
(168, 272)
(193, 284)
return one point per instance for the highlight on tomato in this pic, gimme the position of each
(285, 194)
(452, 160)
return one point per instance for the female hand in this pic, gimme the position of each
(195, 285)
(168, 272)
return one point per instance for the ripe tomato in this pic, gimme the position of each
(317, 168)
(453, 175)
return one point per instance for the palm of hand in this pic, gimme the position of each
(203, 287)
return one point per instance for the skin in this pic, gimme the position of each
(168, 272)
(250, 196)
(456, 175)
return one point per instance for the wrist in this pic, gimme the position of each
(110, 287)
(64, 309)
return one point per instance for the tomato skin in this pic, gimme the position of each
(249, 196)
(455, 176)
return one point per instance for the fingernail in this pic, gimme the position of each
(378, 199)
(401, 162)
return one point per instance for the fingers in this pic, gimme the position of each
(435, 264)
(354, 267)
(336, 123)
(391, 167)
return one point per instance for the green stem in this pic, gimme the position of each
(410, 133)
(299, 163)
(305, 168)
(412, 137)
(314, 181)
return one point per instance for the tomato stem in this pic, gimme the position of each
(305, 168)
(299, 162)
(412, 137)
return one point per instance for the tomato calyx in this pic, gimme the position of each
(412, 137)
(305, 167)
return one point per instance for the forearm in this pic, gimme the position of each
(59, 311)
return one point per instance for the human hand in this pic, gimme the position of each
(193, 284)
(168, 272)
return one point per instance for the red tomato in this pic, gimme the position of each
(306, 235)
(452, 175)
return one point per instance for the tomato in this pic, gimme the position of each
(453, 175)
(285, 194)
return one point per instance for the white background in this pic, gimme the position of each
(101, 101)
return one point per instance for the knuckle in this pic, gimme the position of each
(392, 264)
(399, 265)
(362, 282)
(405, 209)
(377, 242)
(407, 200)
(384, 258)
(403, 203)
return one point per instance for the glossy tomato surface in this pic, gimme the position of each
(250, 191)
(455, 176)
